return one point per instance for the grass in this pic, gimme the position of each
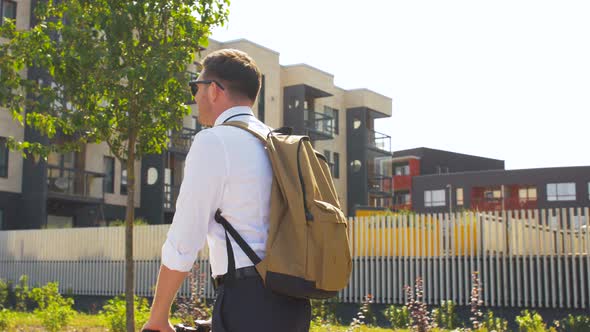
(344, 328)
(81, 322)
(26, 321)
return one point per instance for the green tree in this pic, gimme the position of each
(107, 71)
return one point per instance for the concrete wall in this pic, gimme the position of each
(95, 154)
(8, 127)
(370, 99)
(305, 74)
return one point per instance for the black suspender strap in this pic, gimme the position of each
(232, 231)
(231, 264)
(233, 116)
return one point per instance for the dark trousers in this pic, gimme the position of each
(245, 305)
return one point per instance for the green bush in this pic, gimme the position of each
(45, 295)
(398, 316)
(54, 311)
(6, 320)
(3, 294)
(136, 222)
(323, 311)
(56, 315)
(446, 316)
(114, 311)
(21, 293)
(530, 321)
(492, 323)
(574, 324)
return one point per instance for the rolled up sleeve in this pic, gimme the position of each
(200, 196)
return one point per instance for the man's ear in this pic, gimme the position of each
(214, 92)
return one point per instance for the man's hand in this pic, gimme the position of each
(169, 282)
(158, 326)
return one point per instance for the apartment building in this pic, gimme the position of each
(88, 188)
(435, 181)
(339, 122)
(411, 163)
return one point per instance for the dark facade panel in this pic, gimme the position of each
(33, 206)
(357, 163)
(114, 212)
(11, 216)
(300, 113)
(293, 100)
(538, 178)
(152, 195)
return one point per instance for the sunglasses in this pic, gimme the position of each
(195, 85)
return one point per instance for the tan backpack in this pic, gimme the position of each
(307, 251)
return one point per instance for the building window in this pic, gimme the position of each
(1, 219)
(589, 190)
(109, 171)
(561, 191)
(402, 198)
(402, 170)
(261, 97)
(459, 196)
(527, 194)
(8, 10)
(3, 158)
(123, 189)
(334, 113)
(434, 198)
(336, 165)
(493, 195)
(328, 156)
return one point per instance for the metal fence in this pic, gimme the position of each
(528, 258)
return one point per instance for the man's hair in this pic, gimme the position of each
(237, 69)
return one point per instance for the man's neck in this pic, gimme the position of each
(243, 109)
(230, 106)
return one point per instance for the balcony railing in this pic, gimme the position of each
(75, 183)
(180, 141)
(170, 196)
(406, 206)
(379, 141)
(381, 185)
(318, 125)
(499, 204)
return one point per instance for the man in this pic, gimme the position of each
(227, 169)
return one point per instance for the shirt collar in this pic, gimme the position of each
(232, 111)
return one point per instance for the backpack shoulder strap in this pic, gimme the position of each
(243, 126)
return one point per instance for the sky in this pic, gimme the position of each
(501, 79)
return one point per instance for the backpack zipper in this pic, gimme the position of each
(308, 215)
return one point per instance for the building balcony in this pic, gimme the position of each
(318, 126)
(499, 204)
(379, 142)
(170, 196)
(402, 207)
(75, 184)
(380, 185)
(180, 141)
(402, 182)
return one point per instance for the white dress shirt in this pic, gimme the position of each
(226, 168)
